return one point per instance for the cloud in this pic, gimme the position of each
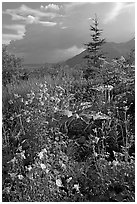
(31, 16)
(52, 7)
(20, 31)
(47, 23)
(64, 27)
(6, 38)
(116, 11)
(17, 27)
(24, 11)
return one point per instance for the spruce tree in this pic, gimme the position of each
(94, 50)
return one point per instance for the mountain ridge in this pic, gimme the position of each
(112, 49)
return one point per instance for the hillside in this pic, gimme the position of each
(112, 49)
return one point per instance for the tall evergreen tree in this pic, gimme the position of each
(94, 52)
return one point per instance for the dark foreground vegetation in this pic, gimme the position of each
(67, 138)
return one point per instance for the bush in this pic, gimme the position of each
(10, 65)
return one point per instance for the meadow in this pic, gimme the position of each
(66, 139)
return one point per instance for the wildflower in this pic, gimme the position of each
(28, 120)
(52, 98)
(42, 103)
(44, 150)
(63, 166)
(47, 171)
(95, 154)
(109, 163)
(68, 113)
(40, 155)
(43, 166)
(55, 109)
(69, 179)
(115, 163)
(29, 168)
(96, 139)
(41, 85)
(16, 95)
(32, 93)
(22, 100)
(126, 108)
(28, 95)
(59, 183)
(26, 102)
(10, 102)
(21, 155)
(20, 177)
(76, 186)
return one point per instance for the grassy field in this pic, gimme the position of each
(63, 141)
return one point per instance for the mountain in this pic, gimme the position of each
(111, 49)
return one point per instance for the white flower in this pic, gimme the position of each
(21, 155)
(29, 168)
(95, 154)
(28, 95)
(96, 139)
(43, 166)
(28, 120)
(76, 186)
(26, 102)
(40, 155)
(115, 163)
(63, 166)
(52, 98)
(22, 100)
(109, 163)
(44, 150)
(47, 171)
(42, 103)
(59, 183)
(16, 95)
(69, 179)
(68, 113)
(55, 109)
(41, 85)
(10, 102)
(20, 177)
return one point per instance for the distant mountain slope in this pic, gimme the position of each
(112, 49)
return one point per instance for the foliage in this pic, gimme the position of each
(131, 57)
(68, 139)
(10, 66)
(57, 148)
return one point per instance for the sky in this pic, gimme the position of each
(51, 32)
